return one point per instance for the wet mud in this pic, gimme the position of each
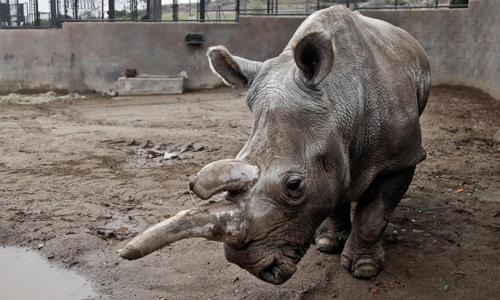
(78, 180)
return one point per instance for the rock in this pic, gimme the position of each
(147, 144)
(112, 93)
(187, 147)
(169, 156)
(133, 143)
(159, 146)
(496, 136)
(119, 233)
(154, 153)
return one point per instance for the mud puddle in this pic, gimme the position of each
(25, 275)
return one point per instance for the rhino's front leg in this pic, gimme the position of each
(334, 231)
(363, 254)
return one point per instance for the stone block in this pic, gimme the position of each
(150, 85)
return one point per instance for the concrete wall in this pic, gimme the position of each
(91, 56)
(463, 45)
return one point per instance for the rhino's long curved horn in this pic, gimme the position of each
(231, 175)
(221, 221)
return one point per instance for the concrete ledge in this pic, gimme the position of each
(157, 85)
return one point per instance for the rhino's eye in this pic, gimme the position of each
(294, 193)
(293, 185)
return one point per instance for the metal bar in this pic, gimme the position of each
(133, 9)
(202, 10)
(36, 12)
(18, 16)
(9, 14)
(75, 9)
(175, 11)
(237, 12)
(53, 13)
(111, 9)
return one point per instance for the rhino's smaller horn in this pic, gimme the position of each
(232, 175)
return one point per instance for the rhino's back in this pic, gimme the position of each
(401, 54)
(396, 82)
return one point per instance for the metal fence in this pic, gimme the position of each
(52, 13)
(24, 13)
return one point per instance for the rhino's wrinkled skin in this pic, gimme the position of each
(335, 122)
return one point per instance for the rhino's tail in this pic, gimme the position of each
(423, 90)
(423, 82)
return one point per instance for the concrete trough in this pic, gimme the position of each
(151, 85)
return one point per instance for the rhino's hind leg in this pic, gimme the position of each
(363, 254)
(334, 231)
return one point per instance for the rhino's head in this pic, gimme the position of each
(283, 183)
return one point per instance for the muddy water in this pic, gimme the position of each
(24, 274)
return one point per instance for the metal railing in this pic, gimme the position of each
(52, 13)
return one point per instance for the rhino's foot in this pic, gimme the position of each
(362, 263)
(330, 240)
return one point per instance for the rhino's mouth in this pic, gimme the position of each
(277, 272)
(275, 268)
(283, 266)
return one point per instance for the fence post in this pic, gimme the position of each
(202, 10)
(111, 9)
(9, 14)
(175, 11)
(396, 4)
(75, 10)
(18, 15)
(37, 13)
(237, 16)
(53, 13)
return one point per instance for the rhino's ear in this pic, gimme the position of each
(314, 54)
(233, 70)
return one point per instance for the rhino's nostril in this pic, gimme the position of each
(299, 251)
(274, 274)
(270, 273)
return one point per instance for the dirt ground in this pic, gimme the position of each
(76, 182)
